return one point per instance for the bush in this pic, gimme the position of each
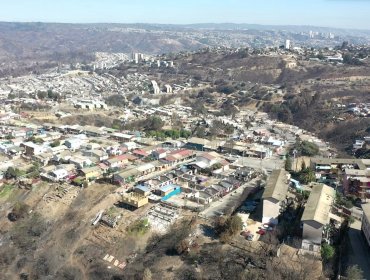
(25, 233)
(19, 211)
(354, 273)
(327, 252)
(139, 227)
(226, 228)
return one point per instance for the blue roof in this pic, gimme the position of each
(167, 188)
(143, 188)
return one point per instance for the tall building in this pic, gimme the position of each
(287, 44)
(136, 57)
(156, 88)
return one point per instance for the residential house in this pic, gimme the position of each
(80, 161)
(159, 153)
(117, 162)
(178, 156)
(97, 154)
(134, 199)
(198, 144)
(126, 176)
(129, 146)
(140, 153)
(143, 190)
(121, 137)
(91, 173)
(357, 182)
(31, 149)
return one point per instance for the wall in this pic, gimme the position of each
(312, 231)
(366, 228)
(270, 210)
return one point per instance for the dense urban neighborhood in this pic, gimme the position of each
(223, 162)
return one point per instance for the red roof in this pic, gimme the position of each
(121, 157)
(160, 151)
(131, 157)
(178, 154)
(140, 152)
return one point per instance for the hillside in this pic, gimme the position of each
(307, 95)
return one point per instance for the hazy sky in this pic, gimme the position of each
(332, 13)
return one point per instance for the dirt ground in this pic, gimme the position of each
(69, 244)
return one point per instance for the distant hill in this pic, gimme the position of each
(77, 42)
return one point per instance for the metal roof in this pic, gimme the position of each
(319, 204)
(276, 185)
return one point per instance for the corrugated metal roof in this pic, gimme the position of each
(276, 185)
(319, 204)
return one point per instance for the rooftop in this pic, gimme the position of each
(276, 185)
(319, 204)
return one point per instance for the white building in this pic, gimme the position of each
(316, 216)
(168, 88)
(156, 89)
(275, 193)
(287, 44)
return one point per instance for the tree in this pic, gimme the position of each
(41, 94)
(327, 252)
(306, 176)
(147, 274)
(20, 209)
(306, 148)
(56, 143)
(235, 224)
(354, 273)
(288, 163)
(50, 94)
(303, 165)
(154, 123)
(13, 173)
(228, 227)
(285, 115)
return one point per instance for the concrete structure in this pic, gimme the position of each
(197, 143)
(275, 193)
(365, 225)
(168, 88)
(143, 190)
(357, 182)
(316, 216)
(31, 149)
(156, 89)
(134, 199)
(91, 173)
(287, 44)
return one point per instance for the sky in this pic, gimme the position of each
(330, 13)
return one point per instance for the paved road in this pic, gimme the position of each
(359, 252)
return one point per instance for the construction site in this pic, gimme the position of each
(161, 216)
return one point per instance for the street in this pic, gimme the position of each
(359, 252)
